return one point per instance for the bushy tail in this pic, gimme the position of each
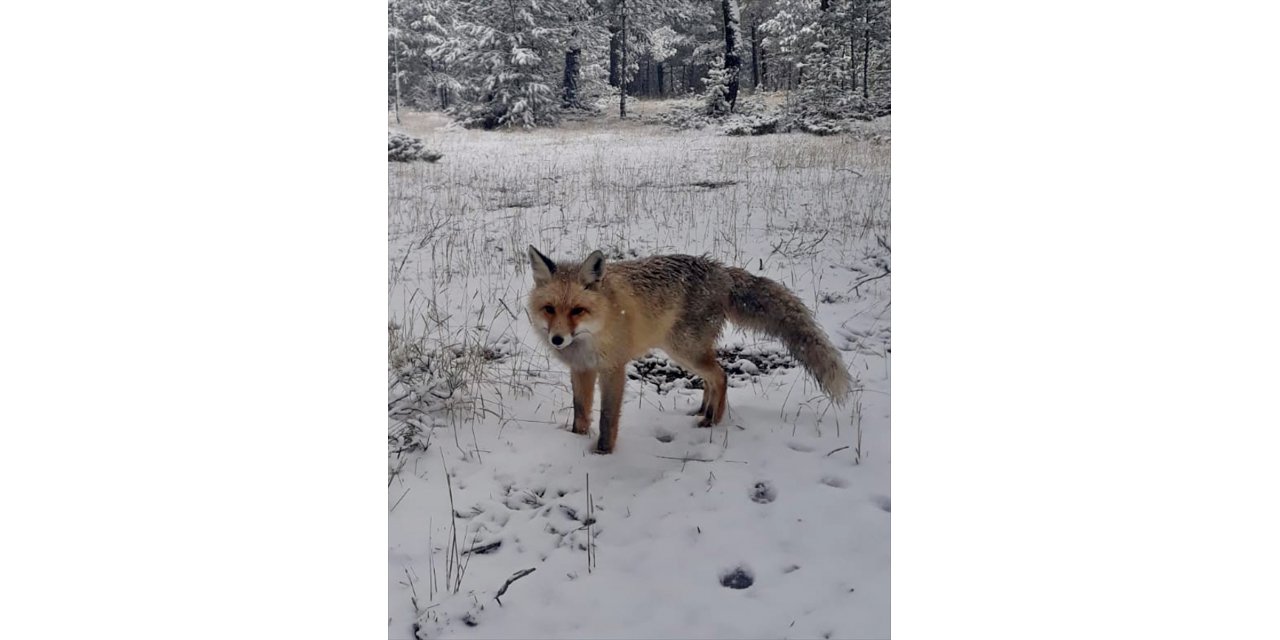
(763, 305)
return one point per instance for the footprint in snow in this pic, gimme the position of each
(664, 436)
(739, 577)
(874, 341)
(796, 445)
(882, 502)
(764, 492)
(835, 481)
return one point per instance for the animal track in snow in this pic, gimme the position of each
(796, 445)
(739, 577)
(764, 492)
(871, 342)
(835, 481)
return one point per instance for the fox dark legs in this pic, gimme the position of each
(612, 384)
(584, 391)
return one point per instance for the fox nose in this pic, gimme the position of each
(557, 340)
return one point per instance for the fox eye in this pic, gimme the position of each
(549, 309)
(577, 311)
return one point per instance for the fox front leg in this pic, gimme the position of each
(612, 384)
(584, 390)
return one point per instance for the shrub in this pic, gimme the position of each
(403, 148)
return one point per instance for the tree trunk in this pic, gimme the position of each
(866, 47)
(395, 53)
(622, 77)
(755, 58)
(853, 61)
(866, 50)
(660, 91)
(569, 99)
(732, 63)
(615, 42)
(820, 77)
(764, 67)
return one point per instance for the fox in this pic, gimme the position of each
(597, 317)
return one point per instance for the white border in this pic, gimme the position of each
(193, 247)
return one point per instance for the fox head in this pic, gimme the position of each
(566, 303)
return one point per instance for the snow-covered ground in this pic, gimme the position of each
(791, 494)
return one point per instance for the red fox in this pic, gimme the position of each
(597, 318)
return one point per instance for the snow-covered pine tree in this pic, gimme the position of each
(825, 39)
(522, 62)
(720, 95)
(715, 98)
(415, 28)
(588, 36)
(662, 46)
(507, 59)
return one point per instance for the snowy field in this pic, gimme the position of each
(774, 524)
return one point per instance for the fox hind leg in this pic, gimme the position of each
(702, 361)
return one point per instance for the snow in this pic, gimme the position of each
(791, 492)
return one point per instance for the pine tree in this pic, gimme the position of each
(818, 38)
(506, 60)
(524, 62)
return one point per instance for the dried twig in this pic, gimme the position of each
(519, 574)
(701, 459)
(863, 281)
(393, 507)
(686, 459)
(486, 548)
(414, 591)
(591, 519)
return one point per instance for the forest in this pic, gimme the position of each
(529, 63)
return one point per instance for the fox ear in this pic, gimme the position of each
(543, 267)
(592, 269)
